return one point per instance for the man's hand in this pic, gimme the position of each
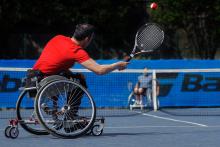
(121, 65)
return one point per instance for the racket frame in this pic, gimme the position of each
(136, 45)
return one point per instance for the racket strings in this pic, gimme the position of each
(150, 38)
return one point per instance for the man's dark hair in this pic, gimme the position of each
(82, 31)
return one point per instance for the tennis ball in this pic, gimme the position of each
(153, 6)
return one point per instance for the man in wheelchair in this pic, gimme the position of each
(144, 88)
(61, 53)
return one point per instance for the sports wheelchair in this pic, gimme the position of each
(58, 106)
(147, 100)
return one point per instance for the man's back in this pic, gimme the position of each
(60, 54)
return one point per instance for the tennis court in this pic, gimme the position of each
(151, 128)
(110, 73)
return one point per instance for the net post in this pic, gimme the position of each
(154, 90)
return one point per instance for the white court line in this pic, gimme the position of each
(135, 127)
(175, 120)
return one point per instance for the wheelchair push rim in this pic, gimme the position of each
(70, 109)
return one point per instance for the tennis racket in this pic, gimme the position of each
(148, 38)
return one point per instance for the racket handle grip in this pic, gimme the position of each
(128, 58)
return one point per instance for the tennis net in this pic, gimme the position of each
(181, 91)
(110, 92)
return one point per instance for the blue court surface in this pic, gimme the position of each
(153, 129)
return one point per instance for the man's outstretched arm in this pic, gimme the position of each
(103, 69)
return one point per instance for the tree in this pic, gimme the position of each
(198, 19)
(116, 20)
(191, 26)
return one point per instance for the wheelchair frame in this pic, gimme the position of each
(91, 125)
(148, 101)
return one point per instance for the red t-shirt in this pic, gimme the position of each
(60, 54)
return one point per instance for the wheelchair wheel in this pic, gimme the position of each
(7, 131)
(14, 132)
(97, 130)
(131, 99)
(65, 109)
(26, 114)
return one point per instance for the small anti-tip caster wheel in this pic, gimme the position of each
(14, 132)
(7, 131)
(96, 130)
